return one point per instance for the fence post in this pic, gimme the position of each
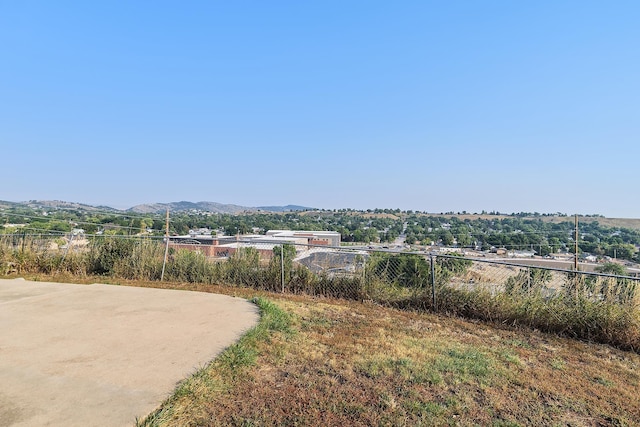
(166, 255)
(166, 248)
(68, 247)
(282, 265)
(433, 282)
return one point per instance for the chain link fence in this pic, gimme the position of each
(602, 307)
(344, 272)
(383, 275)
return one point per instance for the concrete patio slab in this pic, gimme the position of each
(104, 355)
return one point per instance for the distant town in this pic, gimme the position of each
(530, 238)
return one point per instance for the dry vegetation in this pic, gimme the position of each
(317, 361)
(631, 223)
(336, 363)
(344, 363)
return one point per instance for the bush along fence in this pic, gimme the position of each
(594, 306)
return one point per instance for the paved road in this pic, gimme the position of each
(102, 355)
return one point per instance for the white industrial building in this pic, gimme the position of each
(325, 238)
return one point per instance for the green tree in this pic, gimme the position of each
(611, 268)
(544, 250)
(447, 238)
(464, 240)
(622, 251)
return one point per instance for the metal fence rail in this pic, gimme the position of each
(344, 272)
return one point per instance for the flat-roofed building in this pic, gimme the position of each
(325, 238)
(223, 246)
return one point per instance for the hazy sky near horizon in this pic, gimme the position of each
(425, 105)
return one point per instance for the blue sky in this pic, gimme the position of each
(424, 105)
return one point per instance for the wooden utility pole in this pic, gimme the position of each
(166, 248)
(575, 264)
(575, 259)
(167, 226)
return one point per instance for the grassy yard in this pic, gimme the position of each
(338, 363)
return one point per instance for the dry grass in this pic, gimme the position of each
(354, 364)
(468, 216)
(380, 215)
(632, 223)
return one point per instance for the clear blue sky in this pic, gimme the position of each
(424, 105)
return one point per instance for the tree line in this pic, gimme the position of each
(515, 232)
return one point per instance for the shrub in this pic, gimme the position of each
(105, 254)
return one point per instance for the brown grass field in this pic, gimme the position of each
(632, 223)
(345, 363)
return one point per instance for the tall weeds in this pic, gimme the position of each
(581, 318)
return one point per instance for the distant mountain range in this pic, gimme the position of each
(211, 207)
(60, 204)
(187, 206)
(159, 207)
